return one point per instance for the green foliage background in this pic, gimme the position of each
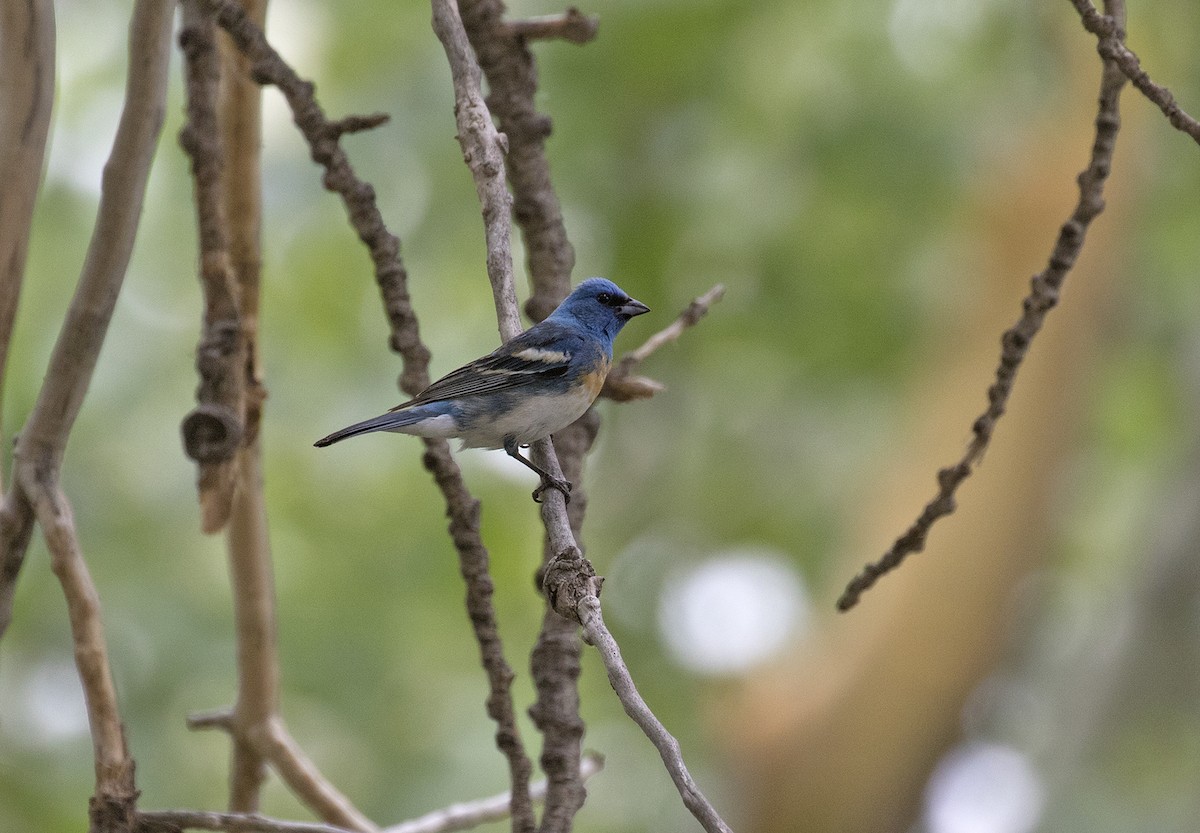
(812, 156)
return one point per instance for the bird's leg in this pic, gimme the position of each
(549, 481)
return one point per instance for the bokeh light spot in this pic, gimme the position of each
(732, 612)
(984, 788)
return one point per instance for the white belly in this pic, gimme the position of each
(533, 419)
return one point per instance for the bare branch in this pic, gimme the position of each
(474, 813)
(696, 310)
(269, 741)
(252, 583)
(75, 353)
(115, 790)
(512, 80)
(175, 821)
(556, 659)
(447, 820)
(573, 588)
(16, 529)
(622, 385)
(213, 431)
(358, 124)
(358, 197)
(1112, 47)
(304, 779)
(229, 214)
(39, 451)
(239, 106)
(26, 97)
(247, 543)
(483, 149)
(214, 719)
(511, 72)
(572, 25)
(1046, 287)
(555, 662)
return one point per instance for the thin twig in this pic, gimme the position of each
(450, 819)
(555, 662)
(1046, 288)
(471, 814)
(574, 590)
(271, 742)
(622, 385)
(174, 821)
(1112, 47)
(572, 25)
(305, 780)
(240, 109)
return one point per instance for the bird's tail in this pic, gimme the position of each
(384, 422)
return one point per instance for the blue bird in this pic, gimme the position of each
(526, 389)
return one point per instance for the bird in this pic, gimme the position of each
(529, 387)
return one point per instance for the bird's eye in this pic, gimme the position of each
(605, 298)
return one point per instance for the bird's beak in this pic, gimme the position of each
(631, 308)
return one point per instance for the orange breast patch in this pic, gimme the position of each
(593, 381)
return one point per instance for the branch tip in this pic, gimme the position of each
(572, 26)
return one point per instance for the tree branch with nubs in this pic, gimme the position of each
(567, 568)
(1045, 289)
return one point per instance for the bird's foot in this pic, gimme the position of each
(549, 482)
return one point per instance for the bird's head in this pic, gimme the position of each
(600, 304)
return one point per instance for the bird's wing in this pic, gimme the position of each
(540, 353)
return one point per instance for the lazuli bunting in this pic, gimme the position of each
(527, 388)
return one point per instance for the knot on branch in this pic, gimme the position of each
(195, 41)
(537, 127)
(114, 811)
(570, 578)
(221, 340)
(211, 433)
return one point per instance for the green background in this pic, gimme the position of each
(816, 158)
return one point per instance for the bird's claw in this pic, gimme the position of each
(563, 486)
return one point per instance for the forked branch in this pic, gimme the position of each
(1111, 45)
(39, 453)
